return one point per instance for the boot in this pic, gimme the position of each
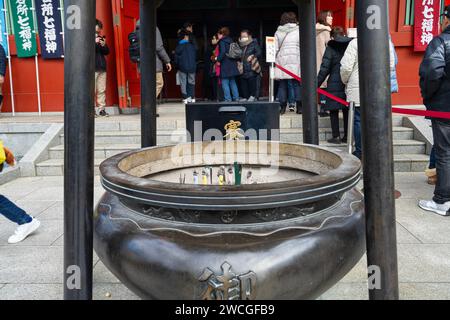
(432, 176)
(299, 107)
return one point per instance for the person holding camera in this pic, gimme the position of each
(101, 51)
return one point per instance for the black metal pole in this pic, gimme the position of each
(148, 72)
(79, 70)
(307, 18)
(375, 88)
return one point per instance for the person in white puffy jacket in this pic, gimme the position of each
(350, 77)
(287, 40)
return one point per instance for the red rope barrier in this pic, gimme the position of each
(413, 112)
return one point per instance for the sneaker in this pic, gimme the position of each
(251, 99)
(242, 100)
(103, 113)
(24, 231)
(291, 107)
(334, 140)
(430, 205)
(344, 140)
(189, 100)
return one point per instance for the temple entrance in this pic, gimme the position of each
(260, 17)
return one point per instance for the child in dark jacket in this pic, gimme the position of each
(185, 59)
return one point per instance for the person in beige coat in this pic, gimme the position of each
(323, 36)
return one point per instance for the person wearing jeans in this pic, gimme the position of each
(186, 61)
(294, 95)
(435, 89)
(441, 135)
(357, 133)
(230, 89)
(27, 224)
(350, 77)
(287, 39)
(187, 83)
(430, 172)
(228, 66)
(289, 91)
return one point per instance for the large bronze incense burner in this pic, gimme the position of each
(292, 228)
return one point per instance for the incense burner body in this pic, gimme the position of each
(291, 234)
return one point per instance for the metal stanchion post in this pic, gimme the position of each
(272, 84)
(351, 122)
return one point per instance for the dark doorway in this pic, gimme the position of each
(260, 17)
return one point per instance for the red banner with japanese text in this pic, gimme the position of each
(426, 22)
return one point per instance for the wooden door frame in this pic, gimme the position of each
(120, 58)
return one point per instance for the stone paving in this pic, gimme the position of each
(33, 269)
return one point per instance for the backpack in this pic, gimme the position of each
(235, 51)
(135, 47)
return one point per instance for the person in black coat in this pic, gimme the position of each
(435, 87)
(101, 51)
(228, 67)
(186, 62)
(251, 56)
(2, 72)
(330, 67)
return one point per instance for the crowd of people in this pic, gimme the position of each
(234, 69)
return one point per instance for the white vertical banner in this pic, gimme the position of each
(36, 59)
(61, 8)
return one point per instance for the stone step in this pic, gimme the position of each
(106, 150)
(55, 167)
(177, 136)
(401, 147)
(403, 163)
(103, 151)
(295, 135)
(287, 121)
